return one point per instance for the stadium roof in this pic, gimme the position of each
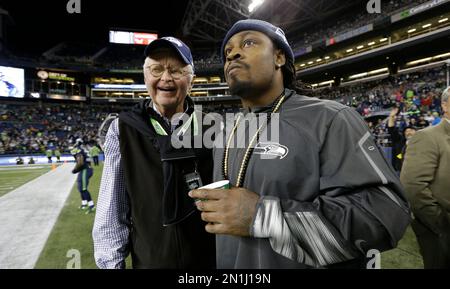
(40, 25)
(209, 20)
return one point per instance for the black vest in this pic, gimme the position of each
(184, 245)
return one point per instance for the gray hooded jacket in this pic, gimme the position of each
(327, 194)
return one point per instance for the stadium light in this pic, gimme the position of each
(377, 71)
(441, 55)
(319, 60)
(255, 3)
(357, 75)
(327, 57)
(443, 20)
(383, 39)
(371, 43)
(349, 50)
(301, 65)
(412, 30)
(310, 62)
(419, 61)
(426, 25)
(360, 47)
(326, 82)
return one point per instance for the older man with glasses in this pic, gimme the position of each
(143, 207)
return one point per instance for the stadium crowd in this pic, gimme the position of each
(417, 94)
(29, 129)
(33, 129)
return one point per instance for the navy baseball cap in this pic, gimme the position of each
(179, 46)
(273, 32)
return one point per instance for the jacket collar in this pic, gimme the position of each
(287, 94)
(138, 116)
(172, 123)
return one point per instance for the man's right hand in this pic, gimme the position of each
(394, 112)
(391, 120)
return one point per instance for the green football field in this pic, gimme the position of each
(12, 177)
(405, 256)
(72, 231)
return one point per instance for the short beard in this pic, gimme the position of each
(246, 90)
(240, 88)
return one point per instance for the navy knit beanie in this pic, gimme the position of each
(273, 32)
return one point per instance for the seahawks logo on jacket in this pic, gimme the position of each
(271, 150)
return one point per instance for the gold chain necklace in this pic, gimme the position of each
(249, 150)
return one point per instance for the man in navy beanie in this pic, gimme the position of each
(320, 195)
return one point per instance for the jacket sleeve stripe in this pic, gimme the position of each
(389, 194)
(300, 236)
(314, 235)
(372, 163)
(270, 223)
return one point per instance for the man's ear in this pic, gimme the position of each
(280, 58)
(145, 78)
(191, 84)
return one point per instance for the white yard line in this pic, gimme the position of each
(28, 214)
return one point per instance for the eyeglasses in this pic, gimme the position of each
(157, 70)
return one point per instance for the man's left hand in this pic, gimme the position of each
(227, 211)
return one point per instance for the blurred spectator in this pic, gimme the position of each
(19, 161)
(436, 120)
(94, 152)
(49, 154)
(399, 139)
(57, 155)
